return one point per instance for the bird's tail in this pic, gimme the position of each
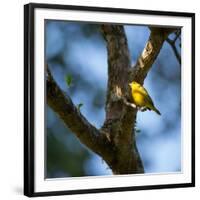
(156, 110)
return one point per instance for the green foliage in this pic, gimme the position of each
(68, 79)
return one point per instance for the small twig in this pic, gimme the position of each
(119, 97)
(172, 43)
(128, 103)
(178, 33)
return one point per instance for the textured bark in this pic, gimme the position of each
(152, 48)
(120, 118)
(115, 142)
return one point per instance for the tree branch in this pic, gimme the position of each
(172, 43)
(75, 121)
(149, 54)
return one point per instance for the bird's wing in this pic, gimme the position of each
(147, 96)
(149, 100)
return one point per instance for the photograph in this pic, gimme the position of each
(90, 64)
(108, 99)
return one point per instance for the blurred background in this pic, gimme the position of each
(77, 50)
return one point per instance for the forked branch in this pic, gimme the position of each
(63, 106)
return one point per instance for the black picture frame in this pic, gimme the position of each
(29, 94)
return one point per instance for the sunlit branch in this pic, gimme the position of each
(149, 54)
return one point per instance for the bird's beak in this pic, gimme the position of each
(129, 84)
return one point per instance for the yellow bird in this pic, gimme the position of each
(141, 97)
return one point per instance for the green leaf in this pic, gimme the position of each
(68, 79)
(79, 106)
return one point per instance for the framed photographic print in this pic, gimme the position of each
(108, 99)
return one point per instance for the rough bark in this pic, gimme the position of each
(115, 142)
(63, 106)
(120, 118)
(152, 48)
